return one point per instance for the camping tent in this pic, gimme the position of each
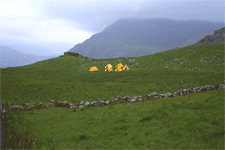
(109, 66)
(125, 67)
(118, 67)
(93, 68)
(108, 69)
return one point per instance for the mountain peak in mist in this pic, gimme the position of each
(130, 37)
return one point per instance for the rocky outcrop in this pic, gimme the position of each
(119, 99)
(71, 53)
(218, 36)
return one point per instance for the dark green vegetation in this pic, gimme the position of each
(195, 121)
(71, 53)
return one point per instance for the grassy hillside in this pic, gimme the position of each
(192, 121)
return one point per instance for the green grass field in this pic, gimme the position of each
(195, 121)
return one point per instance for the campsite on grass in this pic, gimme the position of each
(192, 121)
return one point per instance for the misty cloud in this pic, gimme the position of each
(94, 16)
(59, 25)
(90, 15)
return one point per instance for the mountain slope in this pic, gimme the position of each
(218, 36)
(138, 37)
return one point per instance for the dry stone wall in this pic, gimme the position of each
(119, 99)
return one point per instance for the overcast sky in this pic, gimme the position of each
(59, 25)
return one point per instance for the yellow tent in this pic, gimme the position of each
(108, 69)
(125, 67)
(109, 66)
(118, 67)
(93, 68)
(121, 65)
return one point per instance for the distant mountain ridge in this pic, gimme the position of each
(13, 58)
(138, 37)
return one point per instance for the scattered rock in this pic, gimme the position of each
(175, 60)
(130, 62)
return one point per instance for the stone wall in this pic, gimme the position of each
(119, 99)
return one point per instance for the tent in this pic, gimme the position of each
(118, 67)
(109, 66)
(125, 67)
(93, 68)
(108, 69)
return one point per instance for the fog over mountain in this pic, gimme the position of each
(13, 58)
(124, 38)
(58, 25)
(28, 48)
(137, 37)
